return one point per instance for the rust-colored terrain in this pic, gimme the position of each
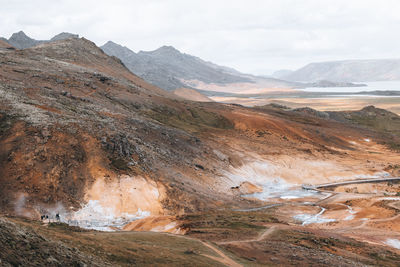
(81, 135)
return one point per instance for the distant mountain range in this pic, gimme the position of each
(279, 74)
(345, 71)
(170, 69)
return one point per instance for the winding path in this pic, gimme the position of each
(264, 235)
(222, 259)
(226, 260)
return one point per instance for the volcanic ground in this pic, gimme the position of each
(169, 181)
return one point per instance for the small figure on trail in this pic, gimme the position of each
(42, 217)
(58, 217)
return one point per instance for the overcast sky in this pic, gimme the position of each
(254, 36)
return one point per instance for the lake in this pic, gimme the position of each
(371, 86)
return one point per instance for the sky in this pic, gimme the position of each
(252, 36)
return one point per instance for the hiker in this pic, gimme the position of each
(58, 217)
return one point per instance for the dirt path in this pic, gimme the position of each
(364, 223)
(385, 219)
(222, 259)
(264, 235)
(394, 205)
(262, 208)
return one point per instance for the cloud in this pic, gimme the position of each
(253, 36)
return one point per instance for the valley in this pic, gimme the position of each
(141, 176)
(322, 102)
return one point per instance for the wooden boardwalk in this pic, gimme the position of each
(360, 181)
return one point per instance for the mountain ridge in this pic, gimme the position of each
(167, 67)
(170, 69)
(22, 41)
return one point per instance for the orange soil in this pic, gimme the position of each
(167, 224)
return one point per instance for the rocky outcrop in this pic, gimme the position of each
(21, 41)
(63, 36)
(312, 112)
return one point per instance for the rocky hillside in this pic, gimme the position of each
(348, 71)
(81, 115)
(28, 243)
